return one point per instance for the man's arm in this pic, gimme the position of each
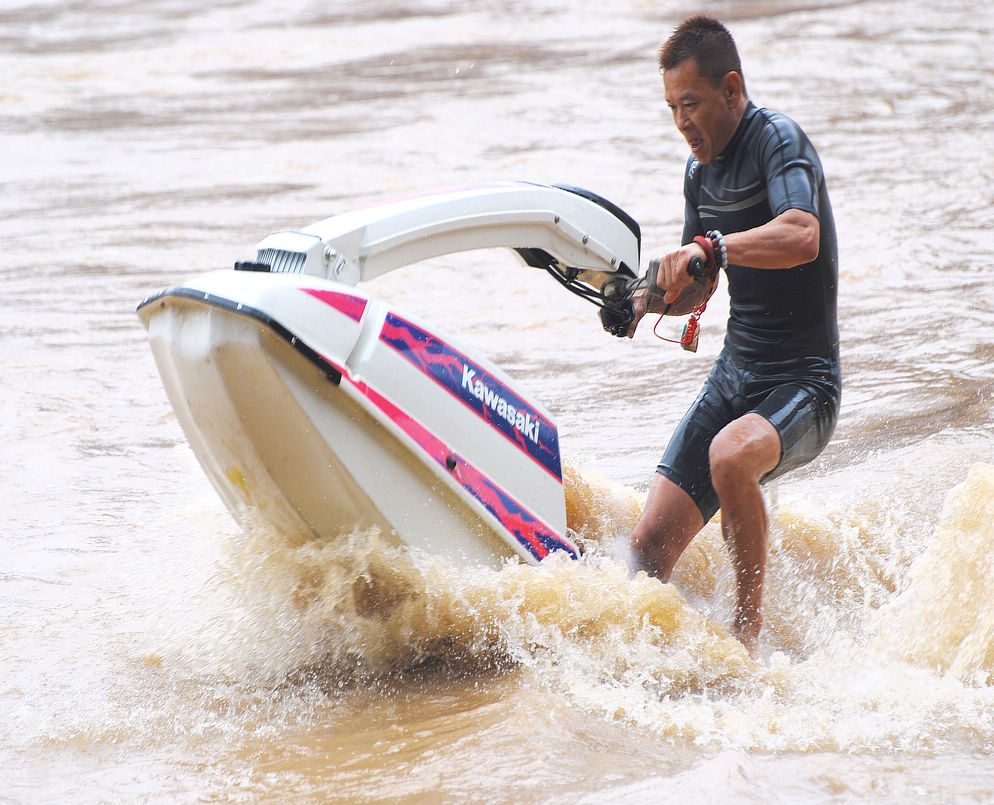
(791, 239)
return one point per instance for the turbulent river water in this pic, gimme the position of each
(152, 652)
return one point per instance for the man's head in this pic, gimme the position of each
(705, 90)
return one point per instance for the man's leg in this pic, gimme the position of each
(742, 453)
(668, 524)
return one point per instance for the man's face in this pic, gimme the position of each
(705, 115)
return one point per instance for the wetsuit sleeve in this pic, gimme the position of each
(793, 170)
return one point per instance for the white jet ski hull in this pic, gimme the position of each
(334, 427)
(317, 410)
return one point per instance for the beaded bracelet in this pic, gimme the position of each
(719, 247)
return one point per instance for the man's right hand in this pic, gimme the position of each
(673, 275)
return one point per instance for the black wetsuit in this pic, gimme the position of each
(781, 353)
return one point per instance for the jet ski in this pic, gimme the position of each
(316, 409)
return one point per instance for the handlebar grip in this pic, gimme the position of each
(696, 268)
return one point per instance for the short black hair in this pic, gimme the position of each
(708, 43)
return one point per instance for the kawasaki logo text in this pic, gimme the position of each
(521, 421)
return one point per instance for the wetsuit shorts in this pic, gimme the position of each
(799, 397)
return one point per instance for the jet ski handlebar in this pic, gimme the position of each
(556, 225)
(617, 309)
(587, 244)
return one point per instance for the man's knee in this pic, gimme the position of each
(743, 451)
(668, 524)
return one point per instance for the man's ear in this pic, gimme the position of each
(731, 87)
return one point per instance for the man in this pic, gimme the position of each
(757, 205)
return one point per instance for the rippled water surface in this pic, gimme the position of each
(152, 652)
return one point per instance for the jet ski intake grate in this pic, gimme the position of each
(282, 261)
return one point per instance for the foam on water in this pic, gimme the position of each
(943, 620)
(859, 653)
